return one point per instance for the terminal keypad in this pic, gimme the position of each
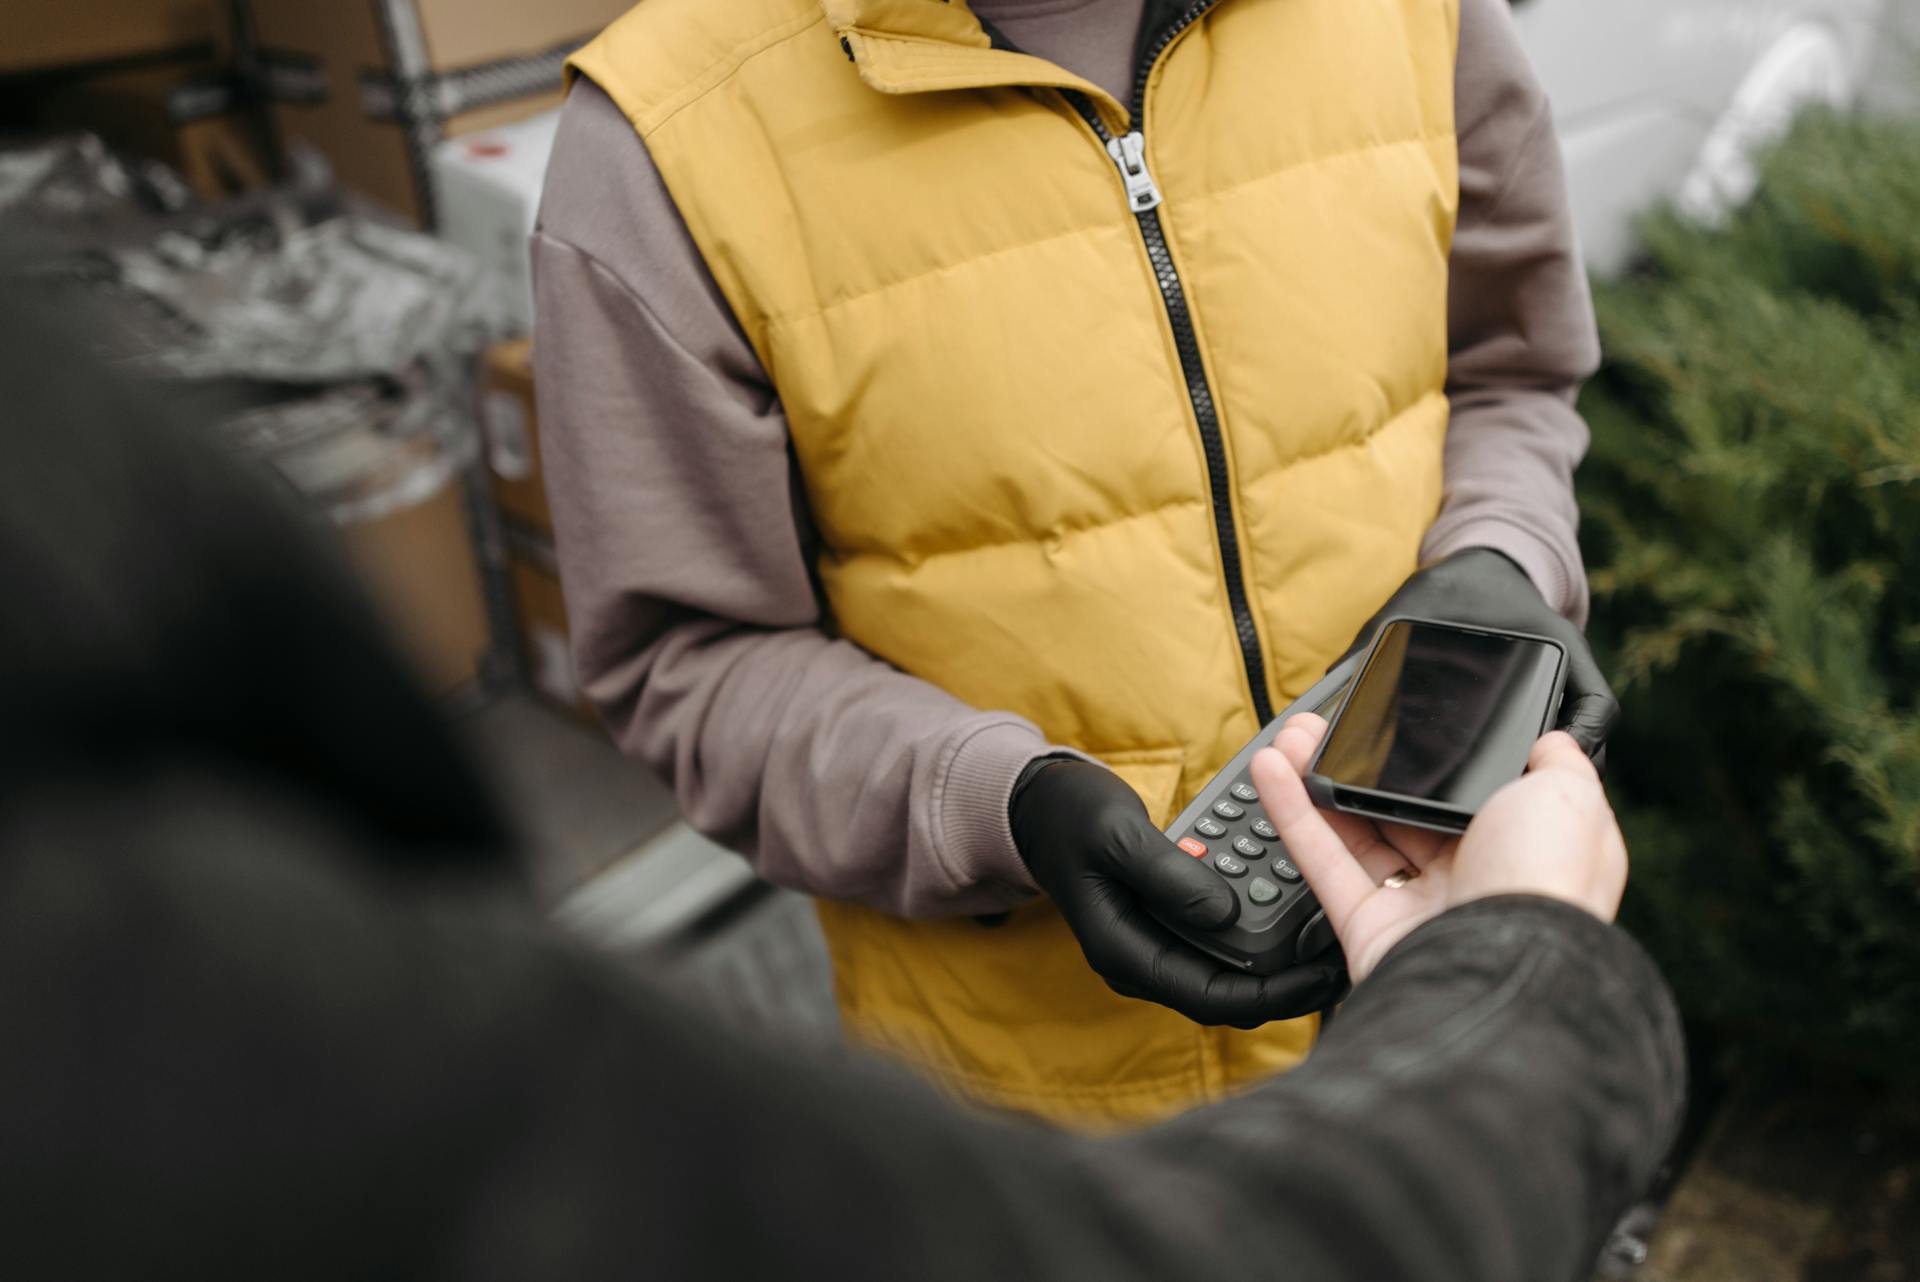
(1235, 837)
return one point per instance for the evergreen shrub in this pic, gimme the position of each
(1752, 527)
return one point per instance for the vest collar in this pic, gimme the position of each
(920, 46)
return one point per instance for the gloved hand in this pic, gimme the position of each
(1481, 586)
(1086, 838)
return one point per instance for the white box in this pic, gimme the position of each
(487, 189)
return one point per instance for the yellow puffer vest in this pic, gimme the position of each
(933, 254)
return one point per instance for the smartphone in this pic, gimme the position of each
(1441, 716)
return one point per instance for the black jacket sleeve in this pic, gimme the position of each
(1486, 1106)
(235, 1050)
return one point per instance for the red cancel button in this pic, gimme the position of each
(1194, 846)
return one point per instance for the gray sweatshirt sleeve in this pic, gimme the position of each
(1520, 319)
(696, 627)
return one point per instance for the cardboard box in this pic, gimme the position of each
(487, 189)
(419, 566)
(187, 116)
(376, 85)
(543, 628)
(512, 426)
(43, 34)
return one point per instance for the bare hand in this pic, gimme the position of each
(1550, 832)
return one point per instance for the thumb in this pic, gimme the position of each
(1174, 884)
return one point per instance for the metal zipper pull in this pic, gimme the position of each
(1130, 153)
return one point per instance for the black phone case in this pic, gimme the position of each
(1418, 812)
(1264, 938)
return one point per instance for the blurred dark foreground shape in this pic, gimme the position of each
(275, 1005)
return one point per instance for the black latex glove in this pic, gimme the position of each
(1481, 586)
(1087, 840)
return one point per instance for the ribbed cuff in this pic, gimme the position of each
(1533, 554)
(976, 834)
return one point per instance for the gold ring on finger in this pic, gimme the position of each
(1401, 878)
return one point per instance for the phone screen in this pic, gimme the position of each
(1443, 714)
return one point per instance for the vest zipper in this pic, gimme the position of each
(1129, 155)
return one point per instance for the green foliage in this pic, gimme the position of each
(1752, 511)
